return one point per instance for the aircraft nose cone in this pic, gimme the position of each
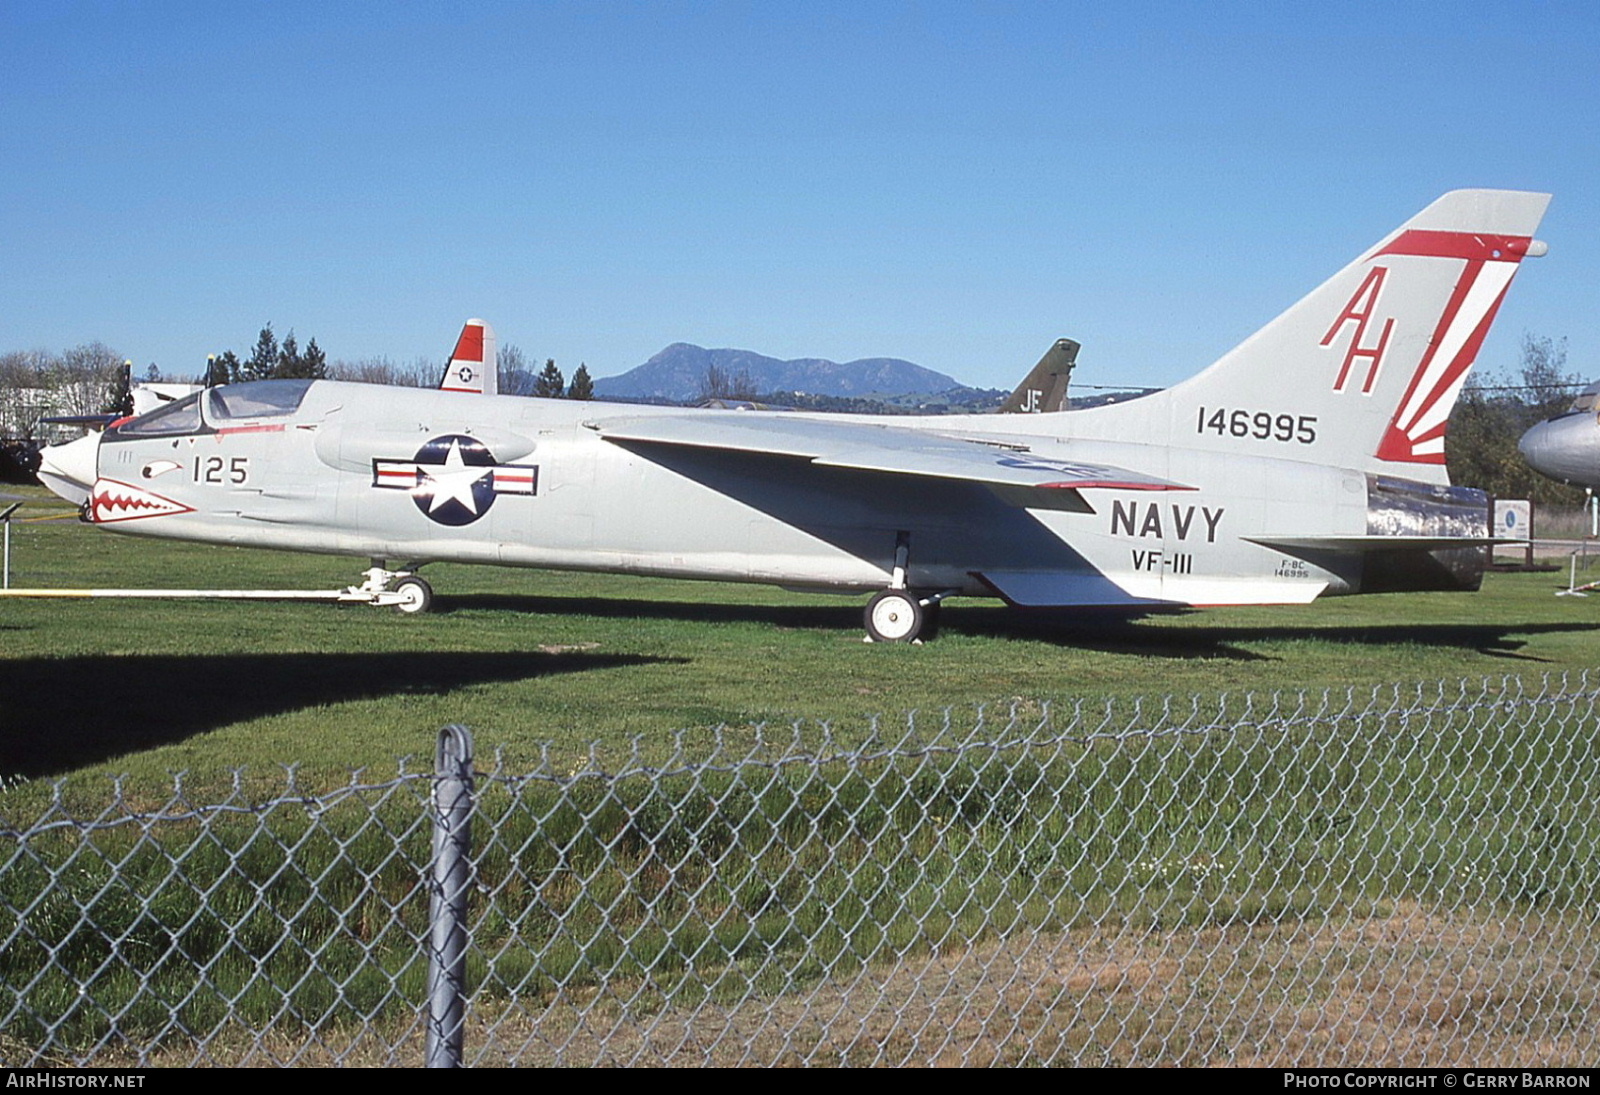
(1564, 448)
(1531, 445)
(69, 469)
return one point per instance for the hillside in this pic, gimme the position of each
(679, 372)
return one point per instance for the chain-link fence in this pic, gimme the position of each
(1405, 877)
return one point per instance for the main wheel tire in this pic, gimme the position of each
(416, 595)
(894, 616)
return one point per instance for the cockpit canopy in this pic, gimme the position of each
(256, 399)
(1587, 400)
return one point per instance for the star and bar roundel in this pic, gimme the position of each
(454, 479)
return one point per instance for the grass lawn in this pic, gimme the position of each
(1152, 856)
(534, 657)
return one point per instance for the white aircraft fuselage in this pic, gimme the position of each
(1308, 461)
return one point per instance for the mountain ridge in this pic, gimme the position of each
(681, 372)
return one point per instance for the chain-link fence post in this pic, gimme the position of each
(447, 907)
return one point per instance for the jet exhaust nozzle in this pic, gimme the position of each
(1402, 507)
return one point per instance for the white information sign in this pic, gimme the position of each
(1513, 520)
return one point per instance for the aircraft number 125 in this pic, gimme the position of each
(1262, 425)
(214, 469)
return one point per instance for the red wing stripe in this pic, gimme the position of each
(1109, 484)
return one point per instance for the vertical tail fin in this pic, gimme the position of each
(1363, 371)
(471, 367)
(1045, 388)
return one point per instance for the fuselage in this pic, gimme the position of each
(1309, 459)
(406, 474)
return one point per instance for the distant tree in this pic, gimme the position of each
(271, 361)
(22, 376)
(714, 385)
(83, 375)
(720, 383)
(550, 383)
(223, 370)
(314, 362)
(289, 360)
(421, 373)
(511, 369)
(1544, 376)
(119, 391)
(263, 361)
(582, 387)
(152, 375)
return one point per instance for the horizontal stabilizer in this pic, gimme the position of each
(1047, 589)
(872, 448)
(1361, 545)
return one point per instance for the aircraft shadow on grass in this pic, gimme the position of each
(57, 714)
(1489, 640)
(1107, 632)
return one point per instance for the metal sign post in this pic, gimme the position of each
(5, 519)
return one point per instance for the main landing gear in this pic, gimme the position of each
(400, 589)
(901, 615)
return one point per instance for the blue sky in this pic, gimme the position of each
(957, 184)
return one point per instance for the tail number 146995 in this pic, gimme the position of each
(1261, 425)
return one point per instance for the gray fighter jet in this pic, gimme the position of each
(1307, 461)
(1567, 447)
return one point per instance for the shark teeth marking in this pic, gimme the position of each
(116, 501)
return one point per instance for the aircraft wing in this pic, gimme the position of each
(887, 449)
(92, 421)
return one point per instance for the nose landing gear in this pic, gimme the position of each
(400, 589)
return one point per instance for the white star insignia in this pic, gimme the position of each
(455, 480)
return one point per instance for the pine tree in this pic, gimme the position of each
(263, 361)
(315, 362)
(227, 369)
(549, 383)
(289, 363)
(582, 386)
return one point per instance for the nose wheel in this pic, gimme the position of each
(412, 595)
(401, 590)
